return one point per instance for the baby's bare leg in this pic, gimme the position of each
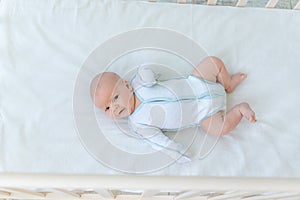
(220, 124)
(213, 69)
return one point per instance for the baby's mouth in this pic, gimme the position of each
(121, 111)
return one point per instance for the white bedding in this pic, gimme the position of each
(43, 45)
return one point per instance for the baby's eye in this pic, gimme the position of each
(116, 97)
(107, 108)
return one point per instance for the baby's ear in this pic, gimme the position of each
(127, 84)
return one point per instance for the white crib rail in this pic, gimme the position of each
(297, 6)
(271, 3)
(54, 186)
(240, 3)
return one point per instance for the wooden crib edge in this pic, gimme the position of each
(20, 186)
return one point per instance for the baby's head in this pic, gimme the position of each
(113, 95)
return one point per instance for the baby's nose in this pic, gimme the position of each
(116, 107)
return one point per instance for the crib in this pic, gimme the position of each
(54, 186)
(15, 184)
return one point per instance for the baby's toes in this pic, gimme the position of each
(236, 80)
(252, 119)
(247, 112)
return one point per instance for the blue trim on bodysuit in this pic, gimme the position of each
(170, 129)
(202, 79)
(163, 147)
(205, 95)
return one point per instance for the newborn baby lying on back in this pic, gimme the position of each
(171, 105)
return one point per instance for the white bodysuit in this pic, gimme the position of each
(172, 105)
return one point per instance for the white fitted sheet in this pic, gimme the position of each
(44, 44)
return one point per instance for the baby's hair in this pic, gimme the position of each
(96, 83)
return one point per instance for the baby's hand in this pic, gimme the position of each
(147, 76)
(184, 159)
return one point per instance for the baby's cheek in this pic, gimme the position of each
(125, 99)
(110, 114)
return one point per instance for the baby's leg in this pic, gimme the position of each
(213, 69)
(220, 124)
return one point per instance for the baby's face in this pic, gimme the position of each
(114, 96)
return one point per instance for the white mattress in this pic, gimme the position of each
(44, 45)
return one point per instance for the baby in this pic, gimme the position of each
(170, 105)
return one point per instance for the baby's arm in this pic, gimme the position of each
(159, 141)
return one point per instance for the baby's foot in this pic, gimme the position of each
(236, 79)
(247, 112)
